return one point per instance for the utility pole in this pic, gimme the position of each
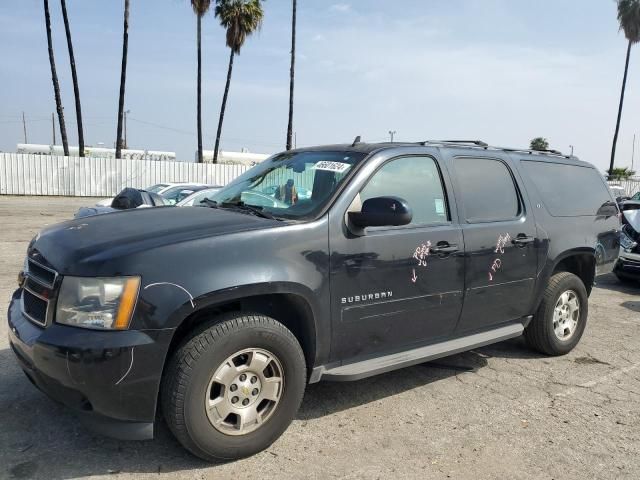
(53, 128)
(24, 128)
(295, 140)
(633, 151)
(571, 147)
(391, 134)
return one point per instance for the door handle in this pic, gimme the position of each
(521, 240)
(444, 248)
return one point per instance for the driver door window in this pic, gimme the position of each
(416, 180)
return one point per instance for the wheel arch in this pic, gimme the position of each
(289, 304)
(581, 262)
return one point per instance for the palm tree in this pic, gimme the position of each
(539, 143)
(240, 18)
(292, 74)
(629, 19)
(54, 78)
(123, 78)
(200, 7)
(74, 76)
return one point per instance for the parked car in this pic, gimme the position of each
(127, 199)
(176, 193)
(196, 198)
(219, 317)
(628, 265)
(159, 188)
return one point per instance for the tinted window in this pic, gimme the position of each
(568, 190)
(486, 189)
(416, 180)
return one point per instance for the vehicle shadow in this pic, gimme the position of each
(611, 282)
(41, 439)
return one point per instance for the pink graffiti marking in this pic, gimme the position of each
(497, 263)
(421, 253)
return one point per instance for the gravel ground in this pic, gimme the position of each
(499, 412)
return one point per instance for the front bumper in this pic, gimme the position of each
(628, 265)
(111, 379)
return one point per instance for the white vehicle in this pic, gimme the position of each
(196, 197)
(159, 188)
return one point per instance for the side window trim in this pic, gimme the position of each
(443, 185)
(461, 203)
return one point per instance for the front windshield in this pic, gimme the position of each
(291, 185)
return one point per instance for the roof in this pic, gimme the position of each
(367, 148)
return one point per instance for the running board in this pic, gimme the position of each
(375, 366)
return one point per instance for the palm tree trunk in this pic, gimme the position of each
(292, 75)
(199, 89)
(74, 76)
(54, 79)
(624, 86)
(123, 78)
(224, 104)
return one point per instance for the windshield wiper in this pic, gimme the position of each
(253, 209)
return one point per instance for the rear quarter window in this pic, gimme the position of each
(568, 190)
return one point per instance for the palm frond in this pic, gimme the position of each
(240, 18)
(629, 19)
(200, 7)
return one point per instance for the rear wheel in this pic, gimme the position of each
(233, 387)
(561, 318)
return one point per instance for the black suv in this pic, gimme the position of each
(220, 315)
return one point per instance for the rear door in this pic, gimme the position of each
(500, 240)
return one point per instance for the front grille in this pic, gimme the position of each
(41, 274)
(38, 291)
(34, 307)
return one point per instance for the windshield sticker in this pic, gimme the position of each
(337, 167)
(439, 204)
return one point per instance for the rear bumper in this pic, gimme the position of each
(111, 379)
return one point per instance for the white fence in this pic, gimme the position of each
(630, 186)
(100, 177)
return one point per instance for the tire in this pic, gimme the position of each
(189, 389)
(622, 278)
(541, 334)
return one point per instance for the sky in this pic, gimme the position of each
(503, 71)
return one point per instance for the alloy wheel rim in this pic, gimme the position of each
(244, 391)
(566, 315)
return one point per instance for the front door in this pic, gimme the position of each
(500, 239)
(396, 286)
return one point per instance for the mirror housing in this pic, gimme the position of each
(382, 212)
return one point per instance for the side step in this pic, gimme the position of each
(375, 366)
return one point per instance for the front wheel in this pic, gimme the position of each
(559, 322)
(234, 386)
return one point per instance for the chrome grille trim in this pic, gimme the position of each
(48, 282)
(38, 279)
(42, 323)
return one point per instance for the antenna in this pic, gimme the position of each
(356, 141)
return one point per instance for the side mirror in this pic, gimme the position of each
(382, 212)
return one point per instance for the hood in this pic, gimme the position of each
(105, 237)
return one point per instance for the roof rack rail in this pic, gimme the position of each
(478, 143)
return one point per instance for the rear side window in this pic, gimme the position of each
(487, 190)
(568, 190)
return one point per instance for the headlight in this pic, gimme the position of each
(100, 303)
(626, 242)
